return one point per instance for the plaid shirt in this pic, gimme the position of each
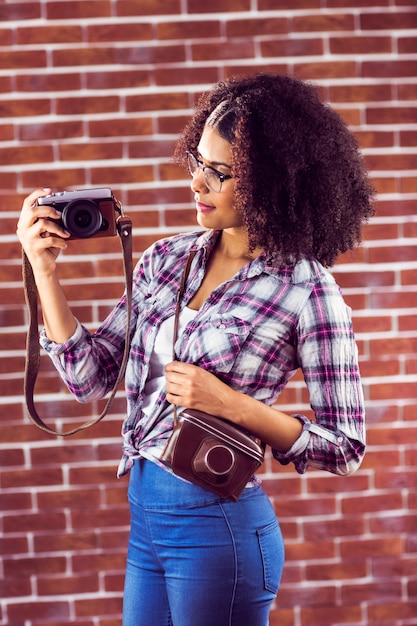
(253, 332)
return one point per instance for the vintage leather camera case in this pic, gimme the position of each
(213, 453)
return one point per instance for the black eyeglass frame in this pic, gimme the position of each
(193, 160)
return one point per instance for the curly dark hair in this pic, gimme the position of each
(301, 184)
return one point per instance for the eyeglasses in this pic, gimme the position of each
(213, 178)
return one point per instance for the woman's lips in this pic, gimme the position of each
(204, 208)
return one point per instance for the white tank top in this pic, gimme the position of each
(162, 355)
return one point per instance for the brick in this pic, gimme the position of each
(114, 582)
(148, 7)
(411, 365)
(282, 617)
(42, 132)
(306, 551)
(108, 605)
(389, 69)
(394, 254)
(393, 524)
(375, 325)
(361, 45)
(57, 610)
(354, 594)
(179, 218)
(398, 479)
(121, 79)
(266, 5)
(293, 47)
(34, 566)
(91, 151)
(372, 503)
(6, 130)
(24, 478)
(308, 597)
(48, 82)
(87, 105)
(146, 149)
(407, 91)
(98, 563)
(79, 623)
(218, 51)
(348, 525)
(14, 60)
(24, 108)
(408, 185)
(363, 279)
(122, 175)
(368, 548)
(393, 568)
(398, 20)
(64, 542)
(151, 54)
(375, 139)
(323, 23)
(156, 101)
(11, 457)
(73, 498)
(392, 610)
(273, 66)
(336, 571)
(187, 76)
(13, 546)
(374, 459)
(66, 33)
(115, 540)
(69, 10)
(15, 501)
(391, 115)
(261, 26)
(68, 585)
(190, 29)
(6, 37)
(19, 155)
(15, 587)
(324, 483)
(394, 346)
(122, 127)
(395, 207)
(393, 390)
(389, 436)
(84, 56)
(216, 6)
(407, 45)
(324, 70)
(120, 31)
(407, 322)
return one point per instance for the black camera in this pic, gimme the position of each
(86, 212)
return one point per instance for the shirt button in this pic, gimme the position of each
(340, 440)
(222, 326)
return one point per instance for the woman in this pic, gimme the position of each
(280, 190)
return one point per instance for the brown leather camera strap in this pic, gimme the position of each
(180, 293)
(124, 229)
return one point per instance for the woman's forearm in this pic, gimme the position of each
(60, 323)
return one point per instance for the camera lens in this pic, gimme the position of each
(220, 460)
(82, 218)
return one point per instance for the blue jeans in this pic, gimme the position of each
(195, 559)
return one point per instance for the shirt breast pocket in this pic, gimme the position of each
(216, 343)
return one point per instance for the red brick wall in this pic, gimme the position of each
(94, 93)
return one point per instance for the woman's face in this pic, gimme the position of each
(215, 209)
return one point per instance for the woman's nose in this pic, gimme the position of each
(198, 182)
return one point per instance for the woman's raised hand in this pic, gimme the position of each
(40, 234)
